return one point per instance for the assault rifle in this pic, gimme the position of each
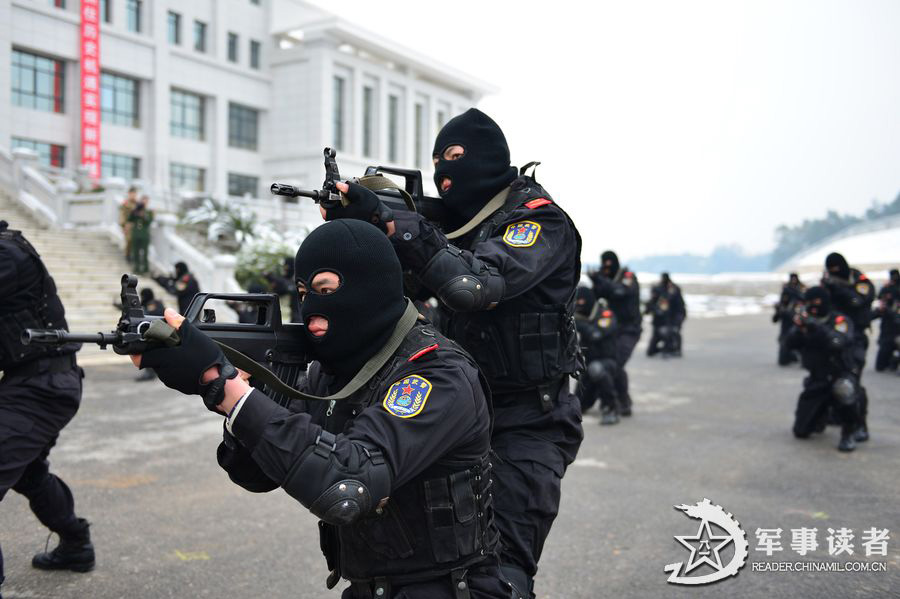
(268, 341)
(393, 197)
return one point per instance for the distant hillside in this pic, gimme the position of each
(726, 258)
(791, 240)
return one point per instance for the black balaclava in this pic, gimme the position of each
(665, 278)
(255, 288)
(609, 270)
(365, 308)
(480, 173)
(895, 276)
(793, 279)
(817, 310)
(584, 301)
(181, 269)
(146, 295)
(287, 269)
(837, 266)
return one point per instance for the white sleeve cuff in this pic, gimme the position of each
(236, 409)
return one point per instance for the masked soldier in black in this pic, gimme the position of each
(852, 294)
(825, 340)
(152, 307)
(183, 286)
(619, 286)
(597, 330)
(506, 278)
(888, 311)
(39, 393)
(666, 304)
(399, 473)
(789, 304)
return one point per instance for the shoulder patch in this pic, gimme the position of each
(537, 203)
(840, 318)
(522, 234)
(862, 288)
(406, 398)
(180, 285)
(604, 322)
(840, 326)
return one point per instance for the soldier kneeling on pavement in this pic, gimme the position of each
(399, 472)
(597, 330)
(824, 338)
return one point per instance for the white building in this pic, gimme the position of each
(222, 96)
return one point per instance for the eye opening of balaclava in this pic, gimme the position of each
(837, 265)
(609, 263)
(818, 301)
(363, 311)
(480, 173)
(793, 279)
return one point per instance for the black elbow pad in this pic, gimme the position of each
(334, 492)
(463, 284)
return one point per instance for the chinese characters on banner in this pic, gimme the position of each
(90, 86)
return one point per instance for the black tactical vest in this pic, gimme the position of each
(522, 343)
(435, 525)
(45, 312)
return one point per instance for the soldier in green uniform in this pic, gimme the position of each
(140, 219)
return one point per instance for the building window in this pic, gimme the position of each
(256, 2)
(199, 36)
(48, 154)
(58, 3)
(174, 25)
(368, 121)
(187, 115)
(37, 82)
(106, 10)
(393, 125)
(186, 178)
(119, 100)
(133, 15)
(338, 113)
(420, 133)
(232, 47)
(254, 54)
(119, 165)
(241, 185)
(243, 127)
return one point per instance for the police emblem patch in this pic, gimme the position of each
(407, 397)
(862, 288)
(603, 323)
(522, 234)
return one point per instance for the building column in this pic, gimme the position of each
(5, 70)
(157, 115)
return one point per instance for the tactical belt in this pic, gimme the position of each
(369, 369)
(41, 366)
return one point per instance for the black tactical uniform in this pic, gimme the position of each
(39, 393)
(151, 305)
(666, 304)
(852, 294)
(507, 289)
(789, 305)
(399, 473)
(183, 286)
(597, 330)
(825, 341)
(888, 311)
(619, 286)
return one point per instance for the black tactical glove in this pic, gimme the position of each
(181, 367)
(364, 205)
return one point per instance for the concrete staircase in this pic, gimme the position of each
(87, 268)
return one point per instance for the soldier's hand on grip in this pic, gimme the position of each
(363, 205)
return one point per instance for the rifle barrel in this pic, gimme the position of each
(60, 337)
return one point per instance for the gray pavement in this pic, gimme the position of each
(168, 523)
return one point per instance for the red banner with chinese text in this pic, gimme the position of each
(90, 86)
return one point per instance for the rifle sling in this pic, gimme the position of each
(492, 206)
(369, 369)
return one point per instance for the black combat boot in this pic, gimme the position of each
(625, 406)
(848, 443)
(862, 433)
(75, 551)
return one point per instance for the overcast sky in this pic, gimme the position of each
(670, 126)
